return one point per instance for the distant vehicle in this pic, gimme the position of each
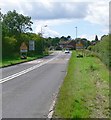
(67, 51)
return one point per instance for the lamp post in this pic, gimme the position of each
(43, 39)
(76, 32)
(42, 29)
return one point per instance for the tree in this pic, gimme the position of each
(1, 15)
(96, 38)
(69, 37)
(14, 23)
(63, 38)
(8, 46)
(55, 41)
(15, 26)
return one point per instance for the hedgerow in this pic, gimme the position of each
(102, 50)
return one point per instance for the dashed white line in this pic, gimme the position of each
(25, 71)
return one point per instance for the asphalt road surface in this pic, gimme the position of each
(28, 89)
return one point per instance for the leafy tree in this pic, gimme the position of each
(1, 16)
(63, 38)
(8, 46)
(102, 50)
(85, 42)
(39, 45)
(14, 27)
(96, 38)
(103, 37)
(55, 41)
(14, 23)
(77, 40)
(68, 37)
(39, 42)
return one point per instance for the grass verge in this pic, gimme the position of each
(85, 90)
(16, 60)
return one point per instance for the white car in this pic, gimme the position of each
(67, 51)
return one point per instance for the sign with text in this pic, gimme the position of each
(23, 47)
(23, 50)
(79, 46)
(31, 45)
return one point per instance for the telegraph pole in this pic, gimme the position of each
(43, 39)
(76, 32)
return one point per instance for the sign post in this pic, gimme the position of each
(79, 49)
(23, 50)
(31, 45)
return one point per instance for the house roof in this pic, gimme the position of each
(66, 42)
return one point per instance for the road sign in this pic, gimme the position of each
(79, 46)
(23, 46)
(79, 49)
(31, 45)
(23, 50)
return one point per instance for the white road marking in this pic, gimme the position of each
(34, 62)
(25, 71)
(50, 114)
(51, 110)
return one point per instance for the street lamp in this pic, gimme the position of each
(76, 32)
(42, 29)
(43, 39)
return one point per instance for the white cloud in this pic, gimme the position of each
(81, 0)
(94, 12)
(90, 37)
(9, 5)
(51, 33)
(98, 13)
(105, 30)
(47, 10)
(39, 26)
(57, 12)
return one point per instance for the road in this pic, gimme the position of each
(29, 89)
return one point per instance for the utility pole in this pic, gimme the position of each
(76, 32)
(42, 36)
(42, 29)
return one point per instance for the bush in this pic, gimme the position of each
(46, 52)
(101, 50)
(90, 47)
(8, 46)
(58, 48)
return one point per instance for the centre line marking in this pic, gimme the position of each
(25, 71)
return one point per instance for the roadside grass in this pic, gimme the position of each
(85, 90)
(16, 60)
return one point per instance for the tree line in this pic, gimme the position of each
(17, 28)
(102, 50)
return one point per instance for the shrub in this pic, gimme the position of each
(101, 50)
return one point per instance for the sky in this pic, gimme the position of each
(56, 18)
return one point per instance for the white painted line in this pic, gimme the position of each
(51, 110)
(24, 71)
(52, 106)
(34, 62)
(50, 114)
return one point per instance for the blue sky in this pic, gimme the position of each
(61, 17)
(84, 28)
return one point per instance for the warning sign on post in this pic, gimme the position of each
(23, 47)
(31, 45)
(23, 50)
(79, 49)
(79, 46)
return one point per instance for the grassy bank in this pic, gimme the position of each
(85, 90)
(15, 60)
(102, 50)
